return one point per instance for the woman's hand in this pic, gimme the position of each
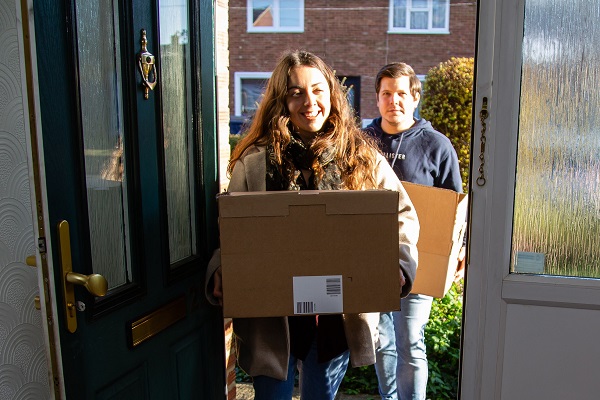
(218, 285)
(402, 278)
(460, 267)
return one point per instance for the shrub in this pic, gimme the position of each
(447, 102)
(360, 380)
(442, 338)
(234, 139)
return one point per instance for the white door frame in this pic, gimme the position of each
(489, 204)
(494, 298)
(47, 285)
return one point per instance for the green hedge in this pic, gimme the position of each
(447, 102)
(442, 338)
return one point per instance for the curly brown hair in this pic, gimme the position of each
(354, 152)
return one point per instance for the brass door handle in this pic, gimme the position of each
(95, 284)
(147, 66)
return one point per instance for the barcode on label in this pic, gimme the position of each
(305, 307)
(333, 286)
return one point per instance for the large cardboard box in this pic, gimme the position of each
(309, 252)
(442, 216)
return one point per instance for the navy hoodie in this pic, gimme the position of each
(420, 155)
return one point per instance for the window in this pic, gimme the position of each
(557, 190)
(249, 87)
(275, 15)
(419, 16)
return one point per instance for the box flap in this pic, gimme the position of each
(442, 216)
(278, 203)
(441, 213)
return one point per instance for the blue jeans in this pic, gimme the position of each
(401, 359)
(317, 380)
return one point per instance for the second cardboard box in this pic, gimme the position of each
(442, 216)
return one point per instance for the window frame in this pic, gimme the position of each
(408, 30)
(239, 77)
(276, 28)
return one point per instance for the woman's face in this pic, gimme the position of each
(308, 100)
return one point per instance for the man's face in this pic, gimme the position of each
(396, 104)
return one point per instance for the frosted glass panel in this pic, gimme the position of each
(177, 127)
(557, 198)
(102, 119)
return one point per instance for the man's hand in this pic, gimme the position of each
(460, 267)
(218, 285)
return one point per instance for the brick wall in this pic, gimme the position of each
(230, 360)
(222, 66)
(351, 35)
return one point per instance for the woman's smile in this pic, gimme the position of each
(308, 100)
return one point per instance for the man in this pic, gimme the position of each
(422, 155)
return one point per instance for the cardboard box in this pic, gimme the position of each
(309, 252)
(442, 215)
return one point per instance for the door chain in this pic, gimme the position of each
(483, 115)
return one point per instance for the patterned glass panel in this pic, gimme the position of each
(557, 193)
(177, 127)
(102, 118)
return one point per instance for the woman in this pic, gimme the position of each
(304, 136)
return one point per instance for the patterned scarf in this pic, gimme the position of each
(331, 338)
(289, 176)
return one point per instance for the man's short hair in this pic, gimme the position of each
(397, 70)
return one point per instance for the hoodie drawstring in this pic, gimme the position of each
(398, 149)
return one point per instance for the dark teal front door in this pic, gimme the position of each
(131, 177)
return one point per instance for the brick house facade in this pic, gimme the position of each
(352, 37)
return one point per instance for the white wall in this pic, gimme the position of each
(23, 366)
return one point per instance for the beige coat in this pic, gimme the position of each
(264, 347)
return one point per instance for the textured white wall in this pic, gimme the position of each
(23, 366)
